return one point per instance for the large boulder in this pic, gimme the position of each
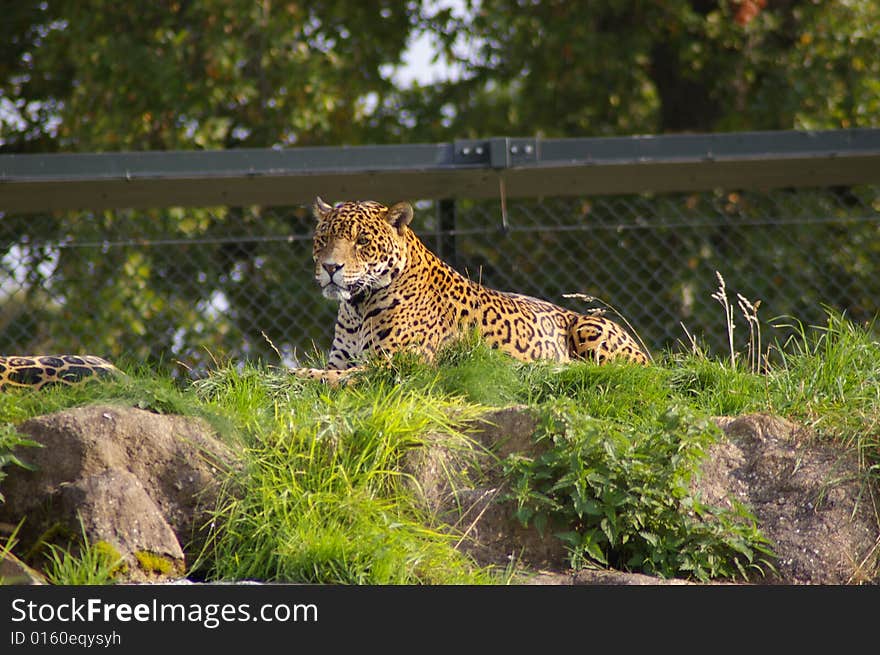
(460, 481)
(137, 482)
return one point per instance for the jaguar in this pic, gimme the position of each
(395, 294)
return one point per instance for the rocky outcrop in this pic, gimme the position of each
(136, 482)
(140, 483)
(810, 499)
(14, 571)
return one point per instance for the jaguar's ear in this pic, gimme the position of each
(321, 208)
(400, 215)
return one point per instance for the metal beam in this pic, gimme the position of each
(463, 169)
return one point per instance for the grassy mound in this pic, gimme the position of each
(322, 496)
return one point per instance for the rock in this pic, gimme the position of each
(610, 578)
(810, 498)
(506, 431)
(139, 482)
(461, 482)
(115, 508)
(14, 571)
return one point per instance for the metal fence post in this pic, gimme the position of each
(446, 230)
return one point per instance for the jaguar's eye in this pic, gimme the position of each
(362, 240)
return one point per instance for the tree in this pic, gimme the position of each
(559, 68)
(95, 75)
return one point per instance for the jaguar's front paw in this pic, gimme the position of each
(333, 377)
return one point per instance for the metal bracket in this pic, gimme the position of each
(471, 151)
(507, 152)
(498, 152)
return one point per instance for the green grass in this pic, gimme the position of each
(84, 564)
(322, 496)
(323, 499)
(140, 388)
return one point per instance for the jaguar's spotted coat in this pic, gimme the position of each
(38, 371)
(395, 294)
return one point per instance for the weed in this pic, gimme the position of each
(721, 296)
(621, 496)
(749, 311)
(10, 440)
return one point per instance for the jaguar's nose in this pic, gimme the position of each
(331, 268)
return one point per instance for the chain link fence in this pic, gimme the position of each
(182, 288)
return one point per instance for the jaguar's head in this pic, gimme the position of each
(359, 247)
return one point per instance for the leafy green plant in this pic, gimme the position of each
(621, 496)
(10, 439)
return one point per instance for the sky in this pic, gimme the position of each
(418, 65)
(417, 59)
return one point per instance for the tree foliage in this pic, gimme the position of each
(98, 75)
(559, 68)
